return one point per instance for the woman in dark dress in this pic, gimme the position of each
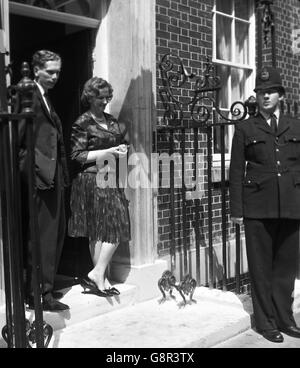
(99, 212)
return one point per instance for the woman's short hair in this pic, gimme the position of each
(41, 57)
(92, 89)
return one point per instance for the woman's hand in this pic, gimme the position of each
(102, 155)
(120, 151)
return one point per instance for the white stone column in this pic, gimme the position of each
(4, 14)
(125, 56)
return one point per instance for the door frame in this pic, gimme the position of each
(7, 8)
(52, 15)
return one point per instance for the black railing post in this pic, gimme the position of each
(5, 241)
(224, 211)
(197, 206)
(238, 259)
(209, 206)
(172, 200)
(15, 234)
(3, 199)
(15, 331)
(26, 88)
(184, 205)
(19, 333)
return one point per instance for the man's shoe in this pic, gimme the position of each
(53, 305)
(272, 335)
(293, 331)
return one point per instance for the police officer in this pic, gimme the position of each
(265, 197)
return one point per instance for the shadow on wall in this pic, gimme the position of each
(137, 111)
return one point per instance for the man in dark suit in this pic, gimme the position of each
(265, 196)
(51, 177)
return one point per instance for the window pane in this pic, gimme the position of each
(242, 9)
(223, 72)
(239, 79)
(223, 38)
(242, 43)
(224, 6)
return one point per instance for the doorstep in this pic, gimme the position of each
(82, 307)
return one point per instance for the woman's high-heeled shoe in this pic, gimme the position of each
(89, 284)
(113, 291)
(106, 293)
(92, 288)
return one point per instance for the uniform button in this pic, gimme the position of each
(279, 174)
(52, 159)
(277, 150)
(278, 163)
(254, 141)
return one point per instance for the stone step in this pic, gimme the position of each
(82, 307)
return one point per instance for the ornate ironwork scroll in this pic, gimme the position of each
(191, 104)
(31, 334)
(187, 96)
(167, 283)
(267, 19)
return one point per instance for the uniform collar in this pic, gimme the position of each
(268, 116)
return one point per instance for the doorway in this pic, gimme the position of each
(74, 44)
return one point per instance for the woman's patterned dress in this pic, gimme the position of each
(100, 214)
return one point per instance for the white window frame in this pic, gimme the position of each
(250, 66)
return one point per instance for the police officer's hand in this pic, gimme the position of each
(237, 220)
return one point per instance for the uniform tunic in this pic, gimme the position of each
(265, 191)
(265, 170)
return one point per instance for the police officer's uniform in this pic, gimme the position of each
(265, 191)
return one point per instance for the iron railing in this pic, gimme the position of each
(196, 113)
(16, 105)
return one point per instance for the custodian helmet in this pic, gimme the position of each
(268, 78)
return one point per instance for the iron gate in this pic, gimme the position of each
(199, 114)
(190, 109)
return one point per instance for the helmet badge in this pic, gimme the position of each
(265, 75)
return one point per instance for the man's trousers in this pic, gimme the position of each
(273, 259)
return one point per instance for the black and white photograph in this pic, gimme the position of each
(149, 177)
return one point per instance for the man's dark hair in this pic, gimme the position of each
(41, 57)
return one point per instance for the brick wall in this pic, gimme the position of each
(287, 22)
(184, 28)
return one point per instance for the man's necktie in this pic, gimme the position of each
(274, 123)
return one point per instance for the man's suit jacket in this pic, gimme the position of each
(48, 143)
(265, 169)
